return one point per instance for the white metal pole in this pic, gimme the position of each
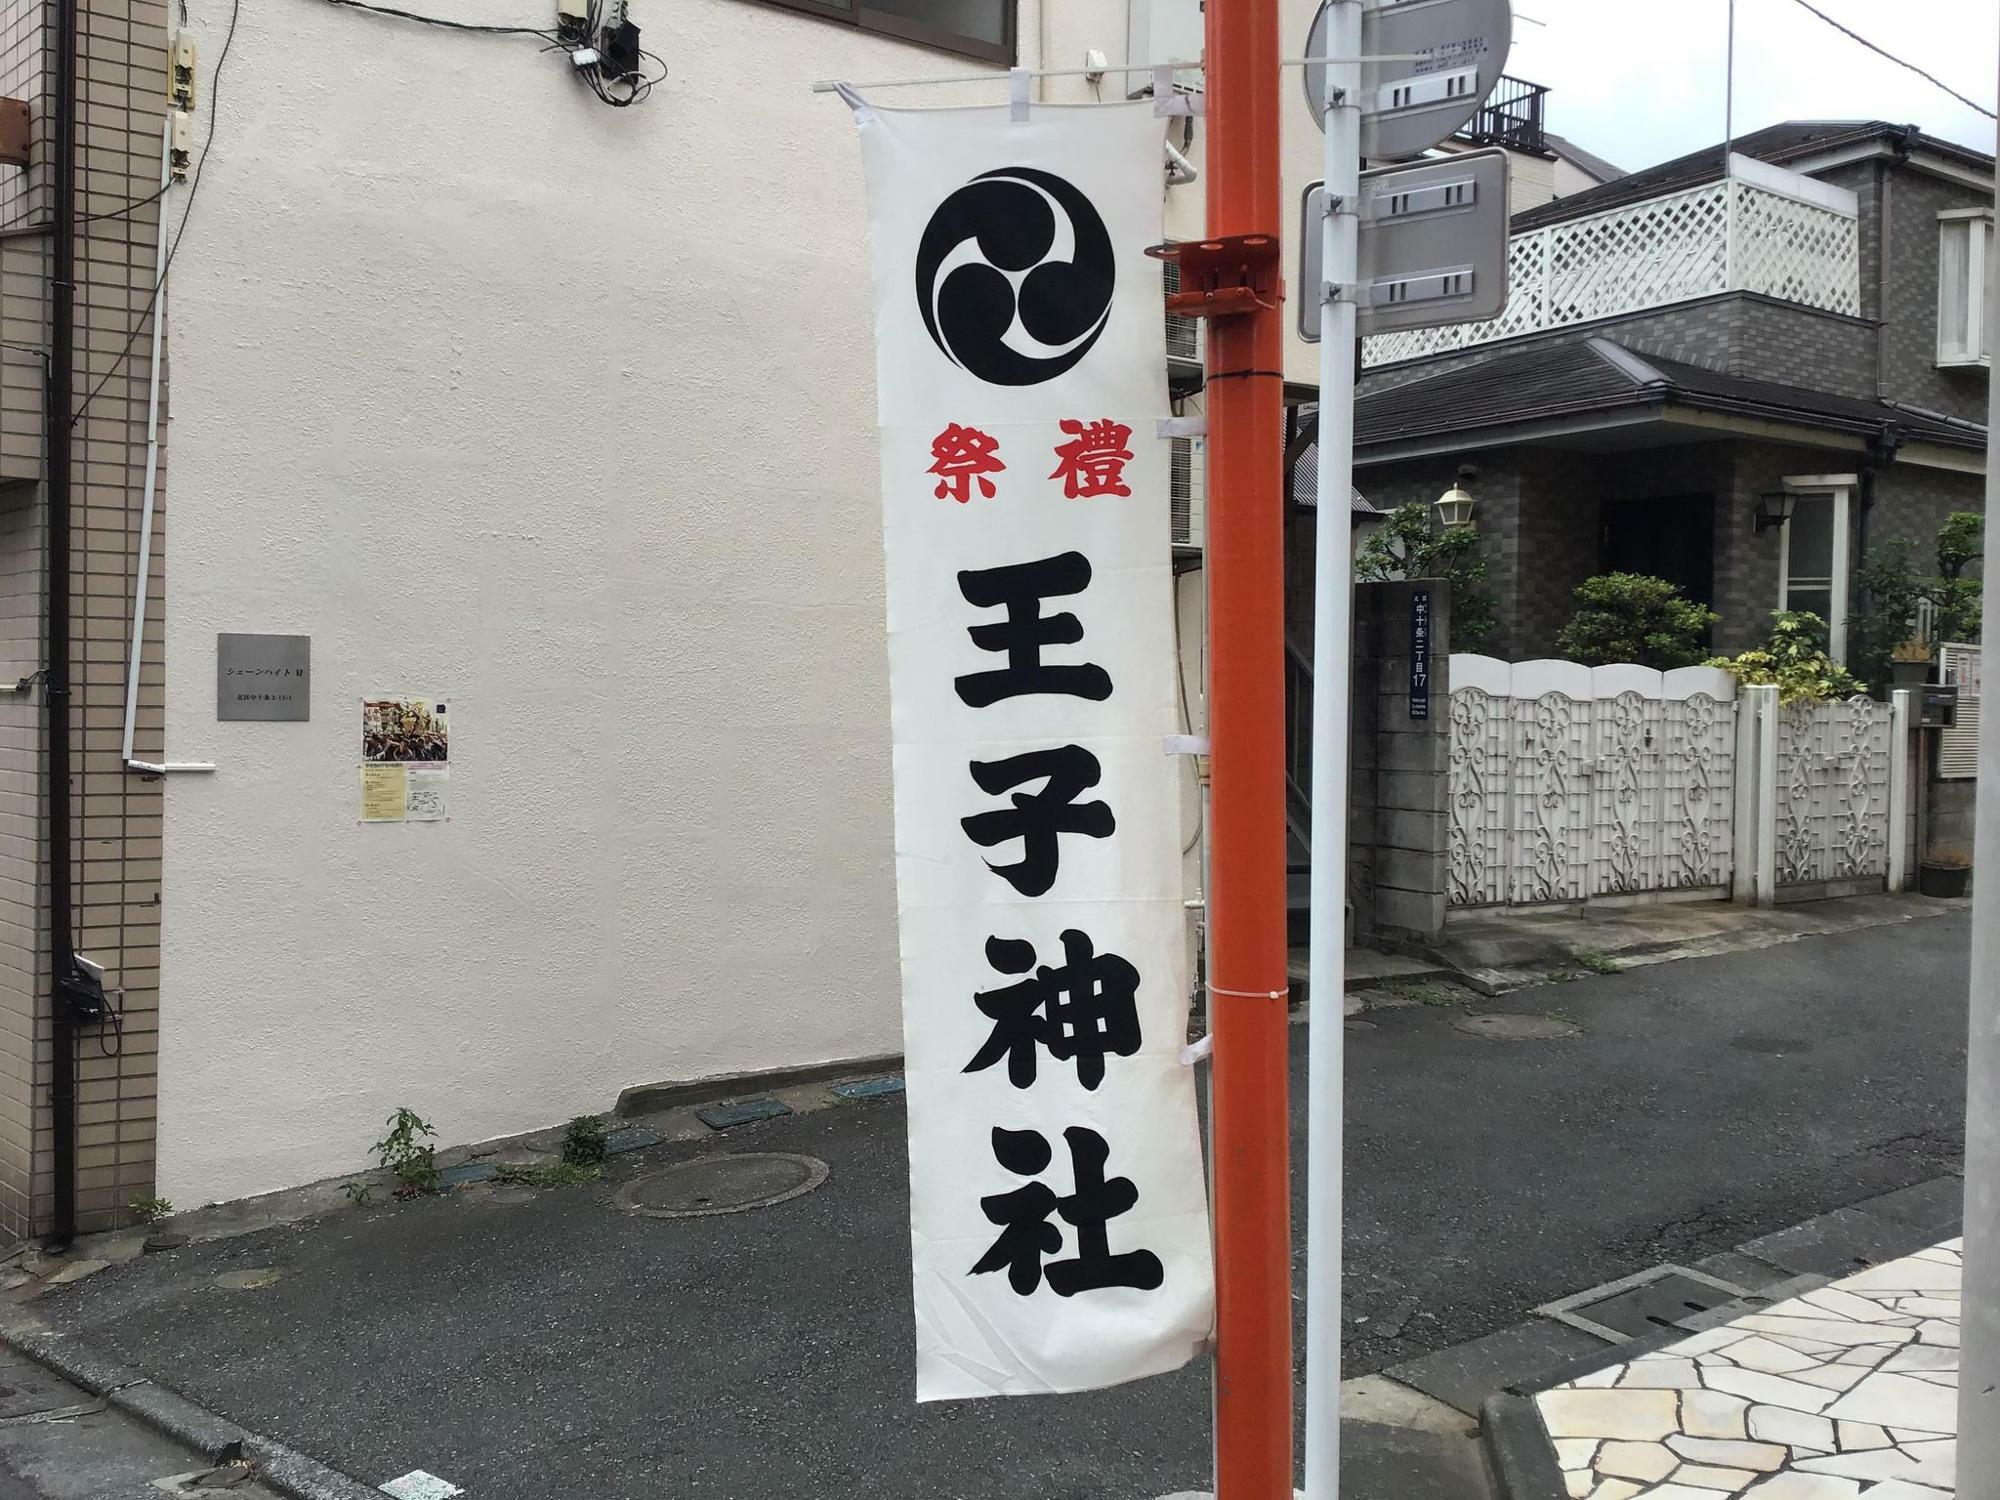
(152, 447)
(1729, 92)
(1979, 1373)
(1333, 605)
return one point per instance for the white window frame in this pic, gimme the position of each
(1964, 348)
(1841, 488)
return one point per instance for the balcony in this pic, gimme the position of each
(1510, 117)
(1762, 229)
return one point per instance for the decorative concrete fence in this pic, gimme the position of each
(1573, 784)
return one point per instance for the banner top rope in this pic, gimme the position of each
(833, 86)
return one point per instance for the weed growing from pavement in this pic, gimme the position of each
(556, 1174)
(150, 1210)
(357, 1192)
(403, 1153)
(583, 1142)
(1597, 963)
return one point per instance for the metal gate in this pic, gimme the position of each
(1573, 783)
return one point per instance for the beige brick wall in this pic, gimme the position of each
(115, 817)
(23, 913)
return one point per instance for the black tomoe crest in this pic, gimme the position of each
(1014, 276)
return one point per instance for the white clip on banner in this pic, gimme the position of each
(1058, 1215)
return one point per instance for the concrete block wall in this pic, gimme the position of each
(1399, 782)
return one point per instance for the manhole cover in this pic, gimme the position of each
(722, 1185)
(1640, 1306)
(1517, 1028)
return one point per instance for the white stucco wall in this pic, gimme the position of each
(564, 415)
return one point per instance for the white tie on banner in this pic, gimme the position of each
(1058, 1214)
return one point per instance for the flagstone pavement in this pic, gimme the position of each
(1848, 1391)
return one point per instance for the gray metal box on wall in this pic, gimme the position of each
(263, 677)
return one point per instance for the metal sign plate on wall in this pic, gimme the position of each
(1408, 107)
(263, 677)
(1433, 245)
(1420, 654)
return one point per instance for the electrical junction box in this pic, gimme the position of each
(181, 71)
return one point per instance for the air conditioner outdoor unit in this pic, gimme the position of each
(1958, 746)
(1189, 492)
(1183, 334)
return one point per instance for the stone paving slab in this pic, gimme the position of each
(1818, 1397)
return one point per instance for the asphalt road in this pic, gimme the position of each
(529, 1344)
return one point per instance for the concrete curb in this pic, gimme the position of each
(652, 1098)
(1519, 1454)
(283, 1469)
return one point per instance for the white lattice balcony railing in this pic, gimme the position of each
(1667, 250)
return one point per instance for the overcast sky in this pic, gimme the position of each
(1640, 81)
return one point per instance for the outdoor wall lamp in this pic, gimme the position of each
(1774, 508)
(1455, 506)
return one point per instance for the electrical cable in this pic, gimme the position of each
(119, 213)
(1856, 36)
(449, 25)
(201, 162)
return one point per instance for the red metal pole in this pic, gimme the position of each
(1247, 947)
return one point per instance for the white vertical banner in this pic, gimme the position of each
(1058, 1213)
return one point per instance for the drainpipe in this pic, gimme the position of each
(56, 444)
(1882, 450)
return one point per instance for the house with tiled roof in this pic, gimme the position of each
(1739, 370)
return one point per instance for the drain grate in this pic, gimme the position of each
(1640, 1306)
(730, 1184)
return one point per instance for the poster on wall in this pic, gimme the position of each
(405, 760)
(1059, 1220)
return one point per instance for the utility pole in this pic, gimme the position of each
(1979, 1369)
(1246, 620)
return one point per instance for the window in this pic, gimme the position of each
(973, 28)
(1965, 259)
(1812, 558)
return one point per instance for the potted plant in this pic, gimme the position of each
(1910, 663)
(1945, 871)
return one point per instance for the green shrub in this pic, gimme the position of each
(1624, 617)
(1794, 660)
(1961, 542)
(1889, 592)
(1405, 545)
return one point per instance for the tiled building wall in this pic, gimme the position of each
(23, 338)
(116, 829)
(23, 913)
(1909, 332)
(1538, 520)
(1914, 504)
(115, 823)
